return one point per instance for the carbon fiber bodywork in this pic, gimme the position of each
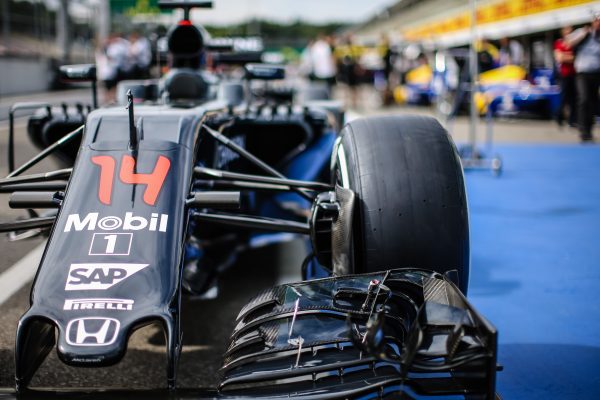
(340, 337)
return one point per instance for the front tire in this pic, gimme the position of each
(411, 203)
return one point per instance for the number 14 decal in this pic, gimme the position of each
(127, 174)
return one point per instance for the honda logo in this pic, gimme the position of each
(92, 331)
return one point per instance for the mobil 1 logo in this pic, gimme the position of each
(99, 276)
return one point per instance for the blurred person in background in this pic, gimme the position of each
(487, 55)
(114, 64)
(511, 52)
(118, 53)
(564, 57)
(385, 50)
(322, 62)
(585, 42)
(141, 55)
(349, 67)
(107, 70)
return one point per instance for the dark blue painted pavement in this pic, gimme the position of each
(535, 249)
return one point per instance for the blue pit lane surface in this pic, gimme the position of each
(535, 251)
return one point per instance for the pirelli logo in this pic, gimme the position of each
(98, 304)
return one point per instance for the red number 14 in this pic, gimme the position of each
(153, 181)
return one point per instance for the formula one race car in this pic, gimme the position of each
(161, 197)
(502, 91)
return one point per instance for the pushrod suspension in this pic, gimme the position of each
(224, 140)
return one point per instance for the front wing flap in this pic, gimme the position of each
(309, 339)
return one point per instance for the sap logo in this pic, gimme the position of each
(99, 276)
(92, 331)
(129, 223)
(98, 304)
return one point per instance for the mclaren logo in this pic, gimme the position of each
(92, 331)
(99, 276)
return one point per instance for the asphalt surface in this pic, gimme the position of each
(206, 324)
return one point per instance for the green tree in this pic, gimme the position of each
(143, 7)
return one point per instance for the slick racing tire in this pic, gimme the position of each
(411, 204)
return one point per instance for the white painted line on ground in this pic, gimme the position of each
(23, 271)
